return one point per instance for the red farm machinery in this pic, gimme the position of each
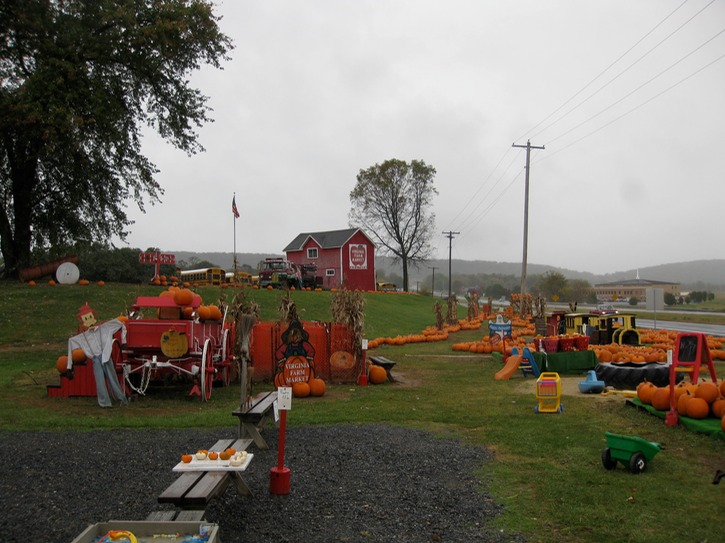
(167, 342)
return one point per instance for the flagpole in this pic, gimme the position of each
(234, 215)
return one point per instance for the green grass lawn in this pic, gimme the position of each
(547, 469)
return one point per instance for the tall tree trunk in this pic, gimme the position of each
(16, 243)
(404, 260)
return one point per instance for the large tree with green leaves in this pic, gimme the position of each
(391, 202)
(79, 80)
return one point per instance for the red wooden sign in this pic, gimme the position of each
(156, 258)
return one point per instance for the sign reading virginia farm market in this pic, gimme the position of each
(359, 257)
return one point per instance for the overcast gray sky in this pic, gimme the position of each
(626, 96)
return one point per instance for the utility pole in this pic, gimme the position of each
(528, 148)
(433, 282)
(449, 235)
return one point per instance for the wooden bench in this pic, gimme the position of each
(384, 363)
(253, 418)
(193, 490)
(172, 515)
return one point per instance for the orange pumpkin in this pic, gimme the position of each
(645, 391)
(707, 391)
(661, 399)
(301, 389)
(317, 387)
(682, 403)
(722, 388)
(697, 408)
(342, 360)
(101, 283)
(204, 312)
(78, 356)
(718, 408)
(186, 458)
(215, 313)
(377, 375)
(183, 296)
(62, 364)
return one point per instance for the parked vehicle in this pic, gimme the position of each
(203, 276)
(279, 272)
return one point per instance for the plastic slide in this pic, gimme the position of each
(512, 364)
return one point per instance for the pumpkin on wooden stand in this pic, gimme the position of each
(62, 364)
(78, 356)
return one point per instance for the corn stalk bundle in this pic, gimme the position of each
(287, 309)
(452, 310)
(246, 314)
(348, 308)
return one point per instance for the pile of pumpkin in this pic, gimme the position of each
(315, 387)
(693, 400)
(665, 340)
(183, 297)
(614, 352)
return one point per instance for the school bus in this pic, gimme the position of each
(203, 276)
(243, 279)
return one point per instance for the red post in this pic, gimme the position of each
(362, 379)
(279, 476)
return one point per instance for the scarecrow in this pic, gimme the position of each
(96, 340)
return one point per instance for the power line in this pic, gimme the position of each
(605, 70)
(650, 80)
(625, 70)
(633, 109)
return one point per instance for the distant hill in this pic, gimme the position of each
(694, 275)
(697, 274)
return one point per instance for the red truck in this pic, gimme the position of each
(279, 272)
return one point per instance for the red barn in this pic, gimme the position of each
(342, 257)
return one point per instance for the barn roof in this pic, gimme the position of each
(326, 240)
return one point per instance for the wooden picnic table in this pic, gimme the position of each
(195, 487)
(253, 417)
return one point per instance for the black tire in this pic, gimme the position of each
(607, 461)
(628, 376)
(637, 463)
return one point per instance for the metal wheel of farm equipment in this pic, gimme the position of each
(206, 377)
(223, 374)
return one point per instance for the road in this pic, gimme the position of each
(708, 329)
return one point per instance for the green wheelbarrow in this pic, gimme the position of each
(632, 452)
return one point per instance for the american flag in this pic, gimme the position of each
(235, 211)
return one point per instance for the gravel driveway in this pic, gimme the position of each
(348, 483)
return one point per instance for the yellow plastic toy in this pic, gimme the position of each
(548, 392)
(120, 536)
